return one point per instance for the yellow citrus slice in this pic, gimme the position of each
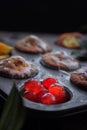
(5, 49)
(4, 57)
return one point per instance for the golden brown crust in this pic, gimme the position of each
(33, 44)
(59, 61)
(74, 45)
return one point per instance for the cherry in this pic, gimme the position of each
(40, 94)
(49, 91)
(59, 92)
(33, 85)
(29, 95)
(48, 98)
(49, 81)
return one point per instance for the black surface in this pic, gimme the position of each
(3, 98)
(43, 16)
(77, 122)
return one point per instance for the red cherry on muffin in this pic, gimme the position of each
(48, 98)
(33, 85)
(59, 92)
(40, 94)
(49, 81)
(30, 95)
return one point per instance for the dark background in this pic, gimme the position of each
(43, 16)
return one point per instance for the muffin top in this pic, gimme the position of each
(15, 62)
(79, 78)
(33, 44)
(60, 59)
(69, 40)
(17, 66)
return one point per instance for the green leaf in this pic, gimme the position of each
(14, 114)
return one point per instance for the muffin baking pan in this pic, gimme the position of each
(78, 97)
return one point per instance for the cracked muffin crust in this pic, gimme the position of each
(59, 60)
(79, 78)
(17, 67)
(33, 44)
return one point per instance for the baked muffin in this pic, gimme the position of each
(17, 67)
(59, 60)
(69, 40)
(33, 44)
(79, 78)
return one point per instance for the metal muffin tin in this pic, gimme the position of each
(78, 99)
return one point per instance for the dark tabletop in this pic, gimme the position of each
(43, 16)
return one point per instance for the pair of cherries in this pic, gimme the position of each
(48, 91)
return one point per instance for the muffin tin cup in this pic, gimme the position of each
(69, 94)
(77, 102)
